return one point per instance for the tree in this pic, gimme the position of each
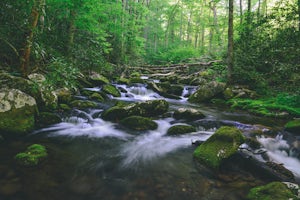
(230, 42)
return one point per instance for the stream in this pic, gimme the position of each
(90, 158)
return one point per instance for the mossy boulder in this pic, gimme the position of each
(82, 104)
(47, 118)
(139, 123)
(272, 191)
(17, 111)
(136, 80)
(180, 129)
(97, 97)
(162, 91)
(112, 90)
(33, 155)
(220, 146)
(64, 107)
(207, 92)
(188, 114)
(149, 108)
(293, 126)
(98, 79)
(64, 95)
(115, 114)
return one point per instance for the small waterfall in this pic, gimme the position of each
(188, 90)
(138, 92)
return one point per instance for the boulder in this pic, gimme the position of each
(112, 90)
(64, 95)
(207, 92)
(273, 190)
(17, 111)
(98, 79)
(162, 91)
(82, 104)
(47, 118)
(239, 91)
(33, 155)
(139, 123)
(180, 129)
(97, 97)
(293, 126)
(188, 114)
(115, 113)
(220, 146)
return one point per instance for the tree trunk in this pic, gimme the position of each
(72, 29)
(230, 61)
(241, 12)
(25, 59)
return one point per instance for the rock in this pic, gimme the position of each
(293, 126)
(139, 123)
(112, 90)
(136, 80)
(115, 113)
(220, 146)
(180, 129)
(207, 92)
(97, 97)
(188, 114)
(64, 107)
(161, 91)
(280, 169)
(37, 78)
(47, 118)
(82, 104)
(17, 111)
(64, 95)
(33, 155)
(273, 190)
(239, 91)
(98, 79)
(10, 187)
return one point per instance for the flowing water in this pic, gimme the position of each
(90, 158)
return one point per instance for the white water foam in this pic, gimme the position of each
(138, 92)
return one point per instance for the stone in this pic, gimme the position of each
(139, 123)
(98, 79)
(64, 95)
(180, 129)
(293, 126)
(112, 90)
(97, 97)
(207, 92)
(188, 114)
(82, 104)
(47, 118)
(17, 111)
(33, 155)
(219, 147)
(115, 114)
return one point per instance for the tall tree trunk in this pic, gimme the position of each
(72, 29)
(299, 14)
(230, 60)
(25, 59)
(241, 12)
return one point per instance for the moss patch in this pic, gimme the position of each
(188, 114)
(180, 129)
(112, 90)
(139, 123)
(83, 104)
(221, 145)
(46, 118)
(33, 155)
(271, 191)
(293, 126)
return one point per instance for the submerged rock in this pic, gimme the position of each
(188, 114)
(17, 111)
(180, 129)
(139, 123)
(273, 190)
(220, 146)
(293, 126)
(207, 92)
(33, 155)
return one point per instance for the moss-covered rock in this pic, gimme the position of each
(293, 126)
(180, 129)
(272, 191)
(98, 79)
(47, 118)
(115, 113)
(17, 111)
(64, 107)
(64, 95)
(112, 90)
(162, 91)
(220, 146)
(207, 92)
(139, 123)
(82, 104)
(188, 114)
(97, 97)
(136, 80)
(149, 108)
(33, 155)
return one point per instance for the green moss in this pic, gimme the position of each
(123, 81)
(139, 123)
(110, 89)
(136, 80)
(189, 114)
(81, 104)
(33, 155)
(96, 96)
(115, 113)
(180, 129)
(221, 145)
(99, 79)
(271, 191)
(135, 74)
(265, 107)
(293, 126)
(64, 107)
(46, 118)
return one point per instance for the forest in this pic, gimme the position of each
(149, 99)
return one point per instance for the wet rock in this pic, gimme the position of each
(139, 123)
(97, 97)
(273, 190)
(162, 91)
(280, 169)
(98, 79)
(112, 90)
(81, 104)
(293, 126)
(207, 92)
(17, 111)
(188, 114)
(220, 146)
(180, 129)
(33, 155)
(47, 118)
(148, 108)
